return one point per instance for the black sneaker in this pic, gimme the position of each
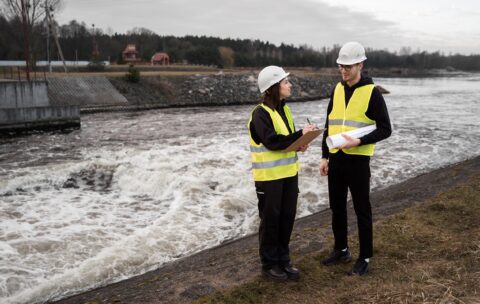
(274, 273)
(360, 268)
(336, 257)
(292, 272)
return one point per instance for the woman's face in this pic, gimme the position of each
(285, 88)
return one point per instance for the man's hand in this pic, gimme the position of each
(350, 142)
(324, 167)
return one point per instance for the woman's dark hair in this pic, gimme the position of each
(271, 97)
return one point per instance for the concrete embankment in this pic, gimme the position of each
(86, 92)
(99, 93)
(26, 105)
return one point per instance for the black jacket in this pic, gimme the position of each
(377, 110)
(263, 131)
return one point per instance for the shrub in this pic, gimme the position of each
(133, 74)
(96, 65)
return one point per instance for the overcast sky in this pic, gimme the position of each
(444, 25)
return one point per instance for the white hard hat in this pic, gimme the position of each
(270, 76)
(351, 53)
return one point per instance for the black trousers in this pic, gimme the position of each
(350, 172)
(277, 206)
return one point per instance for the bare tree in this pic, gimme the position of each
(30, 13)
(35, 9)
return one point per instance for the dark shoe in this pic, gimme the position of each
(292, 272)
(275, 273)
(360, 268)
(336, 257)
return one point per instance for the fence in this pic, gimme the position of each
(19, 73)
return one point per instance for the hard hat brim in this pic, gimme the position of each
(350, 62)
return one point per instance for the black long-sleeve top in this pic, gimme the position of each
(263, 131)
(377, 110)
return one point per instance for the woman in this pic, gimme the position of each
(275, 172)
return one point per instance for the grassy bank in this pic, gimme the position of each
(426, 254)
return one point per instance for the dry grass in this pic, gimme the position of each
(122, 74)
(149, 71)
(426, 254)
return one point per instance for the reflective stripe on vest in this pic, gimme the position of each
(272, 165)
(275, 163)
(342, 119)
(347, 123)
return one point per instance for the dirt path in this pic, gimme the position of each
(234, 263)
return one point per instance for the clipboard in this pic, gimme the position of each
(304, 140)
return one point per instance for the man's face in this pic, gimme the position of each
(350, 72)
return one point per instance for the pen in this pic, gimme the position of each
(308, 120)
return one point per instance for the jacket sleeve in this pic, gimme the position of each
(377, 110)
(325, 152)
(263, 131)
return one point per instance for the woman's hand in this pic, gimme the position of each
(303, 148)
(308, 128)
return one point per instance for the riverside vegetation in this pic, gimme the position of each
(76, 40)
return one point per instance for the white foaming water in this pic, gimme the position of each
(131, 191)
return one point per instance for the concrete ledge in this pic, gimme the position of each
(46, 125)
(25, 119)
(25, 115)
(25, 106)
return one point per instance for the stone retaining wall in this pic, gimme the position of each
(218, 89)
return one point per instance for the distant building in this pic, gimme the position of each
(130, 54)
(160, 58)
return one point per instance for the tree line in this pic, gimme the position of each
(76, 40)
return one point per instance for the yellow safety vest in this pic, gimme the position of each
(352, 117)
(270, 165)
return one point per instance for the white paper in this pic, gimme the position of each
(337, 140)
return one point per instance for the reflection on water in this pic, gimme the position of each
(130, 191)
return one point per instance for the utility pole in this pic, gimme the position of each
(26, 50)
(55, 36)
(47, 8)
(95, 52)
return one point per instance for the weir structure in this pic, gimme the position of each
(25, 105)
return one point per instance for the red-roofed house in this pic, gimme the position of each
(130, 54)
(160, 58)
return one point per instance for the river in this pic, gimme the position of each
(130, 191)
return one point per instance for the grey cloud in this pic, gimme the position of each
(290, 21)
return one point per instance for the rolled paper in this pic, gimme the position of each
(337, 140)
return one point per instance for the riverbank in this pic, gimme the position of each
(227, 267)
(213, 89)
(169, 88)
(114, 93)
(429, 253)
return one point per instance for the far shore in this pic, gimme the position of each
(148, 70)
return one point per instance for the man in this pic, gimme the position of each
(355, 103)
